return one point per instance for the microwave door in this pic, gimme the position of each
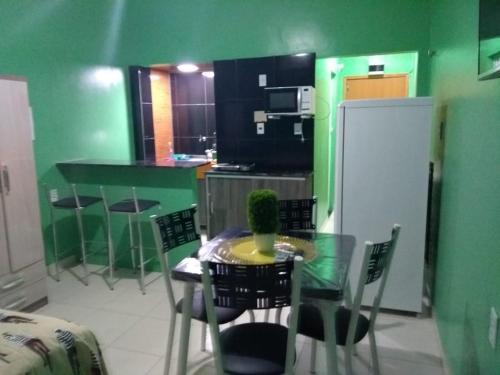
(283, 100)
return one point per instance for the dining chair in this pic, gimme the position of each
(253, 348)
(352, 326)
(171, 231)
(295, 215)
(131, 206)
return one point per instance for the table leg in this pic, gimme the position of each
(187, 310)
(328, 310)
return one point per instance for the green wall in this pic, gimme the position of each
(74, 54)
(329, 94)
(468, 269)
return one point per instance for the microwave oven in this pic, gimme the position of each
(289, 101)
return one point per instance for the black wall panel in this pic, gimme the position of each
(238, 95)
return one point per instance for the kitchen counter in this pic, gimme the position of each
(171, 182)
(260, 173)
(163, 163)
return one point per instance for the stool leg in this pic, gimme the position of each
(111, 253)
(203, 346)
(132, 245)
(314, 348)
(141, 254)
(78, 214)
(54, 235)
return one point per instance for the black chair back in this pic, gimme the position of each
(252, 286)
(297, 214)
(177, 228)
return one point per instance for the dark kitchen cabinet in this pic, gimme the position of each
(227, 194)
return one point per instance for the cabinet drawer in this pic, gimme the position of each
(28, 275)
(23, 297)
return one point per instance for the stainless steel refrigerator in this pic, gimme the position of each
(381, 177)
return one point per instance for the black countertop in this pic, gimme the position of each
(164, 163)
(263, 173)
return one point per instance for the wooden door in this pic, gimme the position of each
(19, 190)
(365, 87)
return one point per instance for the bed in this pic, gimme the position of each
(39, 345)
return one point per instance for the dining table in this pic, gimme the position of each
(327, 258)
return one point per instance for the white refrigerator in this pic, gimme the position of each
(381, 178)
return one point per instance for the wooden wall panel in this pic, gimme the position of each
(162, 113)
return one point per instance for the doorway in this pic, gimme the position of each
(366, 87)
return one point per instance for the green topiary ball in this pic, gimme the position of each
(263, 211)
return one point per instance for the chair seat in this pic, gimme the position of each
(70, 202)
(254, 348)
(128, 205)
(311, 324)
(224, 314)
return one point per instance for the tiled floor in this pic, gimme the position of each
(132, 330)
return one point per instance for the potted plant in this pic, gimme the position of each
(263, 218)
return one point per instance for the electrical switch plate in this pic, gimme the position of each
(260, 128)
(297, 128)
(259, 116)
(493, 328)
(262, 80)
(53, 195)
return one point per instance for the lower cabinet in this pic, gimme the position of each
(227, 195)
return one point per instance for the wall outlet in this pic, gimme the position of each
(53, 195)
(260, 128)
(493, 328)
(297, 128)
(262, 80)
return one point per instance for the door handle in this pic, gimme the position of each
(5, 180)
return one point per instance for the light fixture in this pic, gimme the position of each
(302, 54)
(208, 74)
(187, 68)
(154, 77)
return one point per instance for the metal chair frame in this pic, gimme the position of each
(133, 217)
(211, 301)
(78, 214)
(165, 267)
(371, 271)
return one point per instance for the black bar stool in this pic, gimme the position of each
(133, 208)
(70, 201)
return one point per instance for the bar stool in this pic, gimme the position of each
(76, 202)
(133, 208)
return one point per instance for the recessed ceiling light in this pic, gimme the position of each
(208, 74)
(301, 54)
(187, 68)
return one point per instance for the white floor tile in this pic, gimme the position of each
(108, 325)
(133, 330)
(134, 302)
(362, 363)
(408, 338)
(148, 335)
(75, 314)
(123, 362)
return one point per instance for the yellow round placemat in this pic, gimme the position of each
(243, 250)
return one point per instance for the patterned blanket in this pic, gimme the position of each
(39, 345)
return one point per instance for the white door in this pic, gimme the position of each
(19, 191)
